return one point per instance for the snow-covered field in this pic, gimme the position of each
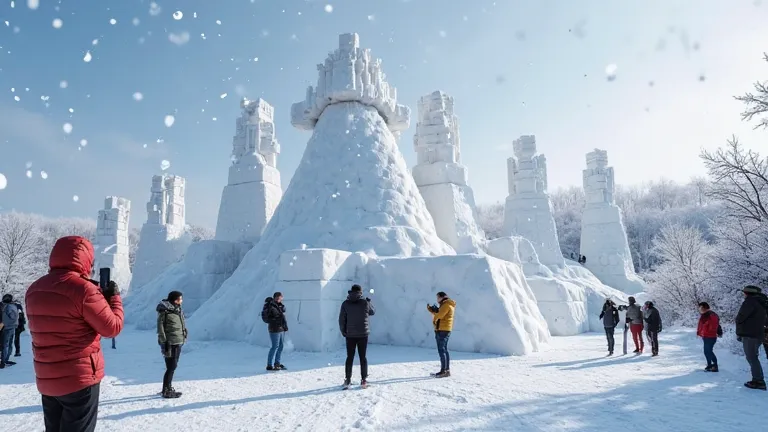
(570, 386)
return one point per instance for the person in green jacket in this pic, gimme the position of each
(171, 335)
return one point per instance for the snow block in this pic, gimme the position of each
(318, 264)
(528, 210)
(603, 235)
(112, 246)
(206, 265)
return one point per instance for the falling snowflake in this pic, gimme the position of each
(442, 33)
(223, 95)
(57, 23)
(371, 17)
(32, 4)
(135, 21)
(43, 175)
(255, 59)
(178, 15)
(3, 182)
(371, 291)
(218, 22)
(88, 57)
(83, 142)
(67, 128)
(328, 8)
(16, 98)
(75, 198)
(95, 42)
(113, 21)
(138, 96)
(169, 119)
(179, 39)
(154, 9)
(71, 110)
(610, 71)
(164, 165)
(29, 174)
(63, 84)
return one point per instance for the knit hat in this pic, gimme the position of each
(751, 289)
(356, 288)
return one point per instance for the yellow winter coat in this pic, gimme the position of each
(442, 320)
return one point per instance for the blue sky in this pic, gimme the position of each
(514, 67)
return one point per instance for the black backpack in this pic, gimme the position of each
(265, 313)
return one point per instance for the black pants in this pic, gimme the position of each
(75, 412)
(16, 341)
(361, 344)
(611, 340)
(654, 341)
(170, 366)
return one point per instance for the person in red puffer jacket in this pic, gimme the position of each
(707, 330)
(67, 315)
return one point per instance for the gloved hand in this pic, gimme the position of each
(111, 290)
(368, 299)
(185, 335)
(738, 338)
(167, 350)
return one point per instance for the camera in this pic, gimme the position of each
(104, 277)
(433, 308)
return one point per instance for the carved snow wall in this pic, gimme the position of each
(603, 235)
(112, 244)
(440, 176)
(528, 210)
(253, 189)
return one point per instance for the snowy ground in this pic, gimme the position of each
(570, 387)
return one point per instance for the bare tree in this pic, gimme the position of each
(739, 179)
(699, 186)
(18, 243)
(756, 103)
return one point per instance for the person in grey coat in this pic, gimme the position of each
(171, 335)
(610, 317)
(750, 330)
(10, 320)
(354, 326)
(635, 320)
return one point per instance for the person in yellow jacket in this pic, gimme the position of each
(442, 320)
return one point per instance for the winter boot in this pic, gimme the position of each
(10, 363)
(636, 351)
(364, 383)
(714, 369)
(756, 385)
(280, 366)
(270, 368)
(18, 354)
(434, 374)
(346, 384)
(170, 394)
(2, 365)
(708, 368)
(444, 374)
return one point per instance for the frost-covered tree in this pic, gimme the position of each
(490, 217)
(756, 103)
(200, 233)
(682, 280)
(19, 247)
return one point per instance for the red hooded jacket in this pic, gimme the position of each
(67, 313)
(708, 322)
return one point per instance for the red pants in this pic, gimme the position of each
(637, 335)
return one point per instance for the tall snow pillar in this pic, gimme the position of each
(253, 190)
(528, 210)
(603, 236)
(166, 221)
(440, 176)
(112, 240)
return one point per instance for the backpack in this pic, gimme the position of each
(265, 314)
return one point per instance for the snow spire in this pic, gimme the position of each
(351, 74)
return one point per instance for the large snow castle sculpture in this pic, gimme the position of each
(112, 246)
(603, 236)
(440, 176)
(162, 242)
(253, 190)
(352, 213)
(528, 210)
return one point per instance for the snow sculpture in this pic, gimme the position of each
(528, 211)
(162, 241)
(441, 178)
(253, 190)
(353, 197)
(112, 249)
(603, 236)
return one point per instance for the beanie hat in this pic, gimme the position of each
(751, 289)
(357, 288)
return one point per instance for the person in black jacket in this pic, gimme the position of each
(19, 330)
(653, 326)
(610, 317)
(273, 314)
(750, 330)
(353, 323)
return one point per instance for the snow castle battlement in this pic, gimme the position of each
(603, 235)
(440, 176)
(112, 239)
(253, 189)
(528, 210)
(351, 74)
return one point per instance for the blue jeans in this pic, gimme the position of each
(7, 341)
(709, 353)
(277, 347)
(441, 337)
